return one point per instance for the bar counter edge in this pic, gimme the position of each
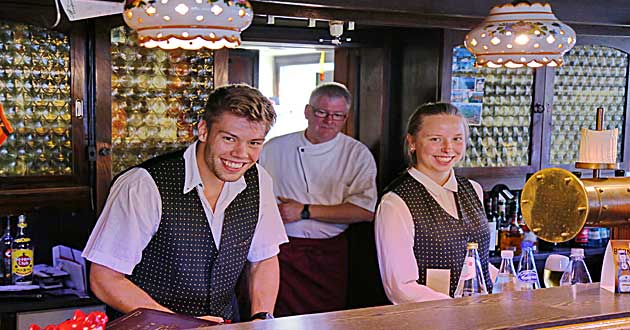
(522, 310)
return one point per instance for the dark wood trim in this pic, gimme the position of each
(625, 157)
(221, 58)
(439, 14)
(79, 125)
(18, 201)
(345, 72)
(103, 112)
(243, 66)
(542, 123)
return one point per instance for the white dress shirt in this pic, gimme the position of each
(133, 210)
(395, 233)
(338, 171)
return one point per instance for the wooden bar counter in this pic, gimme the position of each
(523, 310)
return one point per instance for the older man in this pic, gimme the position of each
(324, 180)
(177, 230)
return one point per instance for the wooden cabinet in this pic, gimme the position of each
(44, 160)
(531, 118)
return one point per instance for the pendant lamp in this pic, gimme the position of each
(188, 24)
(520, 34)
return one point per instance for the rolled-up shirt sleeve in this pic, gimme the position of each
(362, 191)
(394, 231)
(129, 220)
(270, 232)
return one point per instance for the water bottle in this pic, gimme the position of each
(471, 281)
(576, 271)
(527, 275)
(506, 279)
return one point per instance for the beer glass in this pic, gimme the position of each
(554, 267)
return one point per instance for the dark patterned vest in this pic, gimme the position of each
(440, 240)
(181, 267)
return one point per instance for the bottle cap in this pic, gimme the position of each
(507, 254)
(472, 245)
(577, 252)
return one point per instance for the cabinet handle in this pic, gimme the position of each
(539, 108)
(78, 108)
(105, 151)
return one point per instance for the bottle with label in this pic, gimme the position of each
(22, 254)
(576, 272)
(512, 234)
(594, 238)
(506, 278)
(5, 249)
(493, 226)
(582, 237)
(471, 281)
(527, 274)
(623, 275)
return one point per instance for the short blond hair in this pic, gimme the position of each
(241, 100)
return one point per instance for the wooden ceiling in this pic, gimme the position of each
(604, 17)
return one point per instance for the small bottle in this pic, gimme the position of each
(576, 271)
(506, 279)
(527, 274)
(594, 238)
(582, 237)
(623, 275)
(5, 249)
(471, 281)
(494, 234)
(22, 255)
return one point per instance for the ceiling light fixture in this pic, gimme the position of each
(188, 24)
(520, 34)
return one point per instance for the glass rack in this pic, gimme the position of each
(35, 94)
(157, 97)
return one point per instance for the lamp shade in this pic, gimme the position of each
(188, 24)
(522, 34)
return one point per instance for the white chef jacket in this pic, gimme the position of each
(395, 233)
(133, 210)
(338, 171)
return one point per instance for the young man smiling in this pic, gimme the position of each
(324, 181)
(177, 230)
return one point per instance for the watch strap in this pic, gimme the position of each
(262, 316)
(306, 213)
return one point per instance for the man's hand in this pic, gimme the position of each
(212, 318)
(290, 210)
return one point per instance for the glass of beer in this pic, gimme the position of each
(554, 267)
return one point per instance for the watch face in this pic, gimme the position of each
(305, 214)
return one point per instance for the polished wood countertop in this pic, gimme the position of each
(522, 310)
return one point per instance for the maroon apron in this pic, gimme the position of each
(313, 275)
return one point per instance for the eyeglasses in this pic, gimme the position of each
(320, 113)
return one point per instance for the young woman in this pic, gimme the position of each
(428, 214)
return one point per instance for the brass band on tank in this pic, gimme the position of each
(556, 204)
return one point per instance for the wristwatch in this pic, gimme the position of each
(261, 316)
(306, 214)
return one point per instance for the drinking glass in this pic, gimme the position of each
(555, 265)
